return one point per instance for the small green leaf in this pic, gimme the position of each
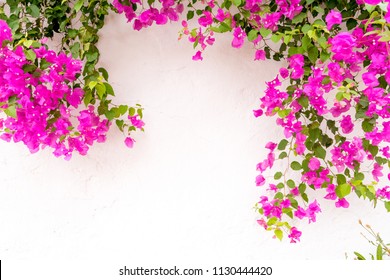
(283, 155)
(109, 89)
(291, 184)
(299, 18)
(279, 234)
(11, 111)
(131, 111)
(92, 84)
(313, 54)
(104, 73)
(367, 125)
(237, 3)
(101, 90)
(34, 11)
(190, 15)
(341, 179)
(387, 205)
(78, 5)
(343, 190)
(359, 256)
(296, 165)
(252, 35)
(320, 152)
(264, 32)
(282, 144)
(123, 109)
(30, 55)
(379, 252)
(278, 175)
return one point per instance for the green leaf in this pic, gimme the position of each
(343, 190)
(359, 256)
(299, 18)
(30, 55)
(278, 175)
(190, 15)
(323, 42)
(237, 3)
(296, 165)
(252, 35)
(351, 23)
(276, 37)
(131, 111)
(282, 144)
(92, 84)
(109, 89)
(104, 73)
(139, 112)
(78, 5)
(283, 155)
(379, 252)
(367, 125)
(387, 205)
(313, 54)
(101, 90)
(279, 234)
(290, 184)
(284, 113)
(304, 101)
(272, 221)
(320, 152)
(11, 111)
(341, 179)
(123, 109)
(306, 42)
(264, 32)
(75, 50)
(119, 124)
(34, 11)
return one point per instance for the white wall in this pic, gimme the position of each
(186, 190)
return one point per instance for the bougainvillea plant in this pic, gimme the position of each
(57, 98)
(331, 99)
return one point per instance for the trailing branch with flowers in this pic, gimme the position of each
(331, 100)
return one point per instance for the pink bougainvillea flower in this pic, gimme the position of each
(257, 113)
(239, 37)
(296, 63)
(294, 235)
(284, 73)
(260, 180)
(314, 164)
(332, 18)
(300, 213)
(342, 203)
(129, 142)
(342, 45)
(312, 210)
(197, 56)
(377, 172)
(346, 124)
(383, 192)
(262, 223)
(372, 2)
(271, 146)
(260, 55)
(370, 80)
(5, 32)
(206, 19)
(136, 121)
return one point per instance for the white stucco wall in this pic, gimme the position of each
(186, 190)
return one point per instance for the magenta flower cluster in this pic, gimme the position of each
(40, 100)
